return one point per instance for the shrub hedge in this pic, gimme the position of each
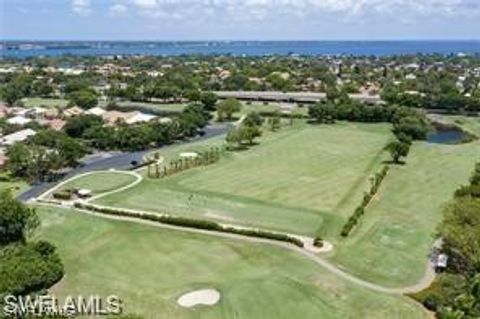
(63, 195)
(367, 197)
(193, 223)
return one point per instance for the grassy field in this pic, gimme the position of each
(15, 185)
(302, 179)
(100, 182)
(149, 268)
(392, 242)
(37, 101)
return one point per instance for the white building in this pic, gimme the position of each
(139, 117)
(19, 136)
(18, 120)
(98, 111)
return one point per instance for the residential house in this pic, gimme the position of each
(36, 112)
(113, 117)
(18, 120)
(54, 124)
(73, 111)
(51, 113)
(139, 117)
(98, 111)
(19, 136)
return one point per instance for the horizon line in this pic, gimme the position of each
(247, 40)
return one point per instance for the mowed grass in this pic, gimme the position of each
(303, 179)
(100, 182)
(391, 244)
(44, 102)
(149, 268)
(16, 186)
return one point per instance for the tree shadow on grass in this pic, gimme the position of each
(391, 162)
(242, 147)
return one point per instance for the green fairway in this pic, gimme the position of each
(100, 182)
(149, 268)
(391, 244)
(44, 102)
(302, 179)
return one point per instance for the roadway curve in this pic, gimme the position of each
(118, 160)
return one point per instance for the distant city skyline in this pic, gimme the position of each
(188, 20)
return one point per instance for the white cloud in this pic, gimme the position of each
(242, 10)
(81, 7)
(118, 10)
(146, 4)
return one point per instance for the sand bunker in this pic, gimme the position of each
(207, 297)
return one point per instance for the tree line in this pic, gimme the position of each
(208, 157)
(44, 155)
(408, 124)
(25, 266)
(456, 292)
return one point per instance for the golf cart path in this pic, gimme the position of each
(138, 179)
(424, 283)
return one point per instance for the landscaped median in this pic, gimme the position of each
(191, 223)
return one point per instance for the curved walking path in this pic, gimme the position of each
(308, 250)
(424, 283)
(138, 179)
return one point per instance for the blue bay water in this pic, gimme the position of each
(238, 48)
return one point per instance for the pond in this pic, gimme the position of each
(446, 135)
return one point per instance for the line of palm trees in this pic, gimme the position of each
(208, 157)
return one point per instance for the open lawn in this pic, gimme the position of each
(303, 179)
(37, 101)
(392, 242)
(15, 185)
(100, 182)
(149, 268)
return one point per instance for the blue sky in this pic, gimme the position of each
(239, 19)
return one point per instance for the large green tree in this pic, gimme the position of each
(397, 150)
(16, 219)
(84, 98)
(227, 108)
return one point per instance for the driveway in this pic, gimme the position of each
(115, 160)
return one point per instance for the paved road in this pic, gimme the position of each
(117, 160)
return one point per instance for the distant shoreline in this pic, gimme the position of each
(25, 49)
